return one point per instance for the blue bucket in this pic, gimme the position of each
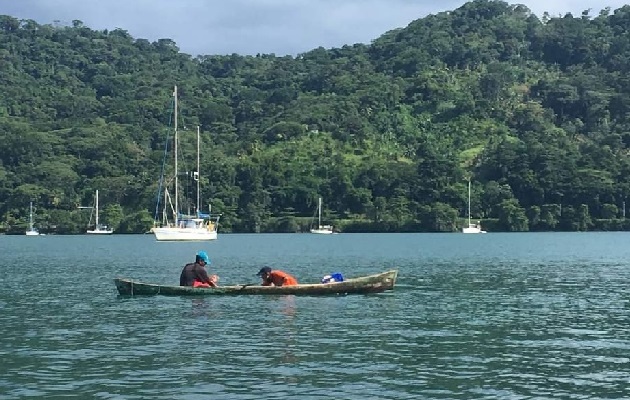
(334, 277)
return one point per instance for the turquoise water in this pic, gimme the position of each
(496, 316)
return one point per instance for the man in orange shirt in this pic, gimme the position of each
(275, 277)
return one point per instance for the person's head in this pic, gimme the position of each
(202, 258)
(264, 272)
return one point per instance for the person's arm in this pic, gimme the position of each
(202, 276)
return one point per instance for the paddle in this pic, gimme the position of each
(249, 284)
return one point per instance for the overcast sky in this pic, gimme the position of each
(258, 26)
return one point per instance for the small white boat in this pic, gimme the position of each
(31, 229)
(98, 228)
(321, 229)
(472, 228)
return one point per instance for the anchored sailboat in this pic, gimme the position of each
(99, 229)
(471, 228)
(31, 229)
(321, 229)
(176, 226)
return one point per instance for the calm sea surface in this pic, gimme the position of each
(495, 316)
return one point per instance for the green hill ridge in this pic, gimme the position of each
(534, 111)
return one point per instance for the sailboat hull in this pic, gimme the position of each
(183, 234)
(472, 229)
(32, 233)
(100, 232)
(322, 231)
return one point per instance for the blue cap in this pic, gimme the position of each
(203, 256)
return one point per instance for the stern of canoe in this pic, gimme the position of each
(373, 283)
(127, 287)
(123, 286)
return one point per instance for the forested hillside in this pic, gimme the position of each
(535, 112)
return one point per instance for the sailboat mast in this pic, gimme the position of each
(198, 169)
(319, 210)
(175, 151)
(30, 217)
(96, 209)
(468, 202)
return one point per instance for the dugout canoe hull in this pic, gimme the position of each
(366, 284)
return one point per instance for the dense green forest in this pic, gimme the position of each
(534, 111)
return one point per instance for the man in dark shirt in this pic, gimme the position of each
(194, 274)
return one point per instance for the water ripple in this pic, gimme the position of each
(517, 324)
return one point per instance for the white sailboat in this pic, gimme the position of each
(181, 227)
(31, 229)
(471, 228)
(99, 229)
(321, 229)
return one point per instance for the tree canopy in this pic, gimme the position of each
(534, 111)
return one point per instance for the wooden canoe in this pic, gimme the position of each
(365, 284)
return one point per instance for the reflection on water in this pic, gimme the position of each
(287, 324)
(502, 316)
